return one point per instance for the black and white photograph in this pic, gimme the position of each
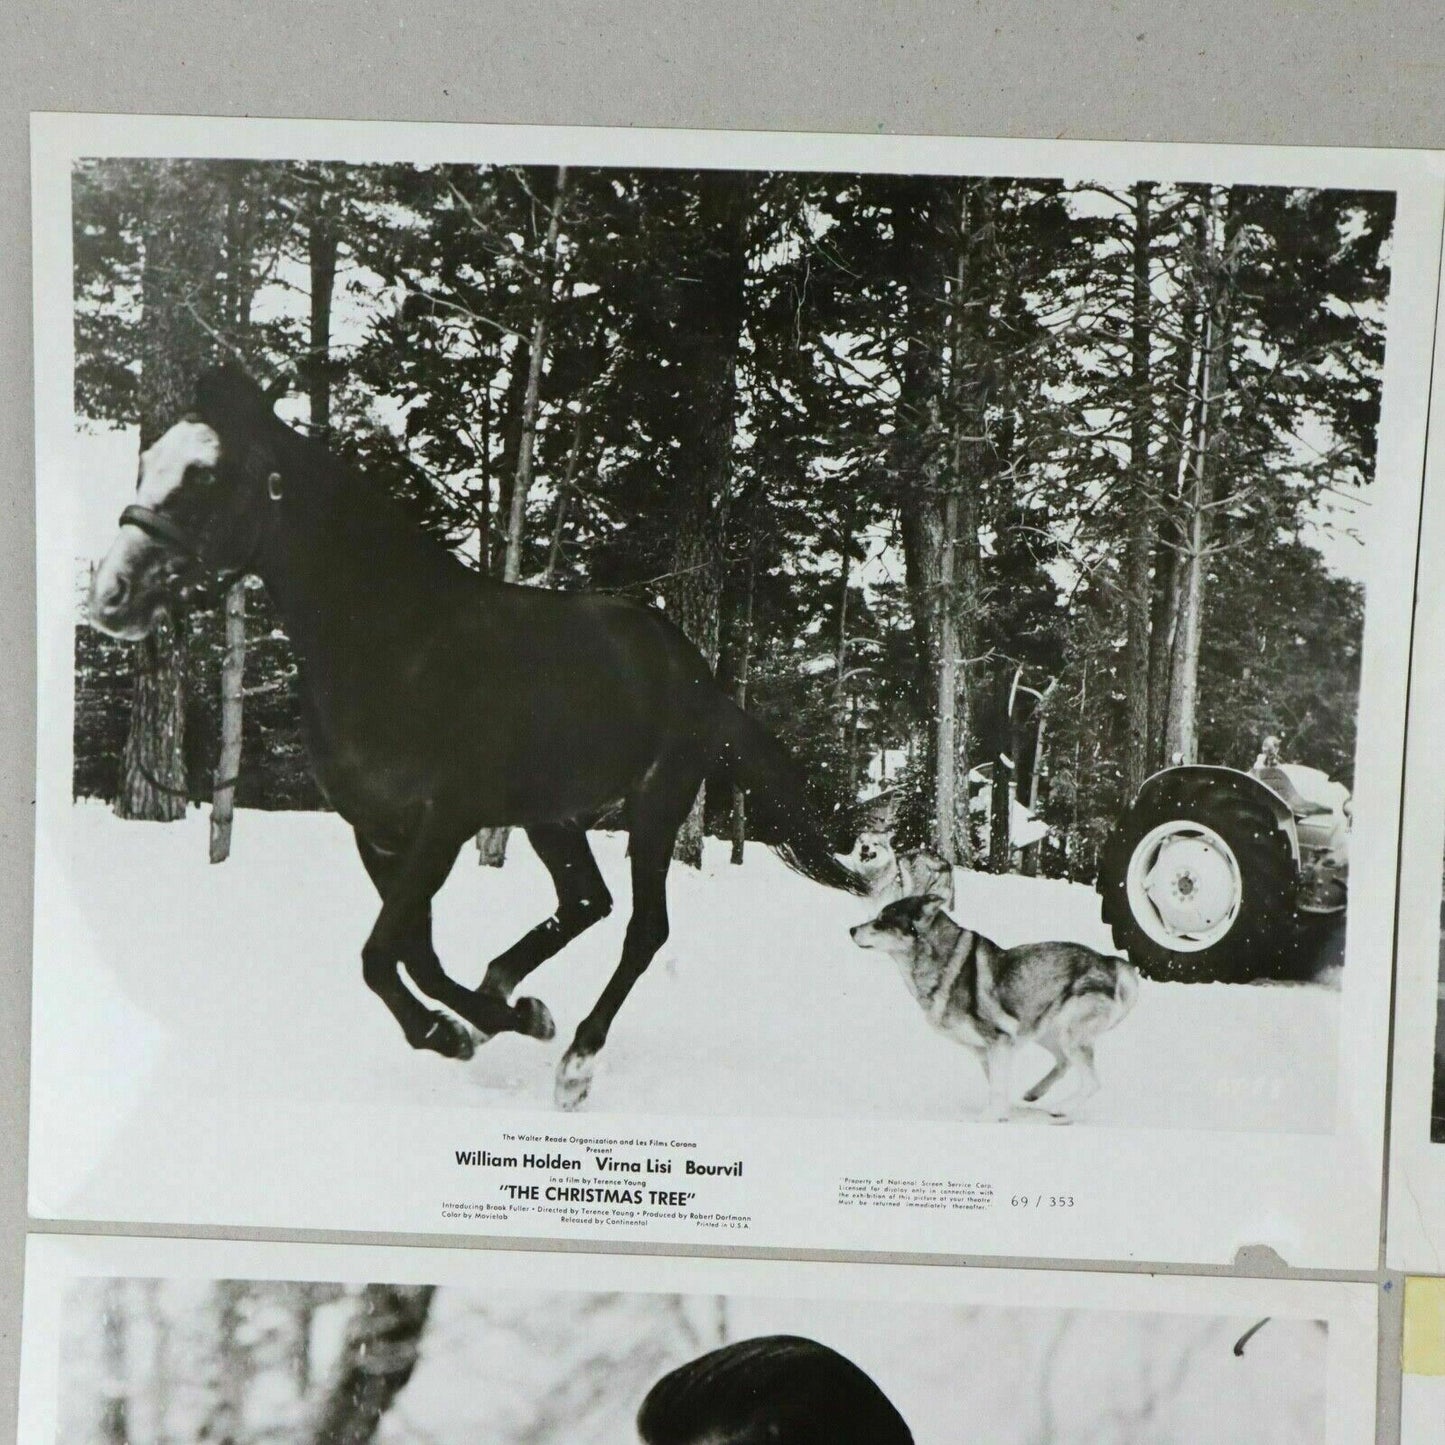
(483, 1353)
(723, 641)
(1416, 1232)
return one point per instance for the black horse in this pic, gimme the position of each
(437, 701)
(772, 1390)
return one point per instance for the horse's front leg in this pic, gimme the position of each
(407, 880)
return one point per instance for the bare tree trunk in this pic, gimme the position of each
(1182, 733)
(492, 842)
(379, 1354)
(1000, 823)
(714, 323)
(239, 293)
(945, 762)
(517, 518)
(1163, 612)
(1181, 421)
(115, 1385)
(745, 657)
(1143, 504)
(564, 496)
(920, 531)
(840, 668)
(1073, 870)
(228, 766)
(484, 507)
(958, 561)
(913, 460)
(153, 768)
(492, 847)
(1164, 642)
(322, 245)
(509, 417)
(1031, 853)
(182, 233)
(854, 761)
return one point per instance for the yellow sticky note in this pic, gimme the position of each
(1424, 1348)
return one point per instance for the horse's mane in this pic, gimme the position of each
(232, 403)
(347, 496)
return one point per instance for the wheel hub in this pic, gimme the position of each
(1184, 886)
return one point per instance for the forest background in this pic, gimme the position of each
(972, 488)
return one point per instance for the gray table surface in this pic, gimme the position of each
(1327, 73)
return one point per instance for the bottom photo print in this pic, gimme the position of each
(144, 1341)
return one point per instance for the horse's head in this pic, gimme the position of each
(781, 1389)
(203, 496)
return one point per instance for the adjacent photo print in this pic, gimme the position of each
(1415, 1239)
(1422, 1384)
(145, 1341)
(659, 685)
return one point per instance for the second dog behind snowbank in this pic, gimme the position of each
(892, 875)
(1061, 996)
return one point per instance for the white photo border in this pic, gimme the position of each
(1190, 1196)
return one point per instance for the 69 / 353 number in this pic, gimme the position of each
(1042, 1201)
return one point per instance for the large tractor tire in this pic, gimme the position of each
(1199, 882)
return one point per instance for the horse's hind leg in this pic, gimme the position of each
(657, 813)
(406, 880)
(582, 900)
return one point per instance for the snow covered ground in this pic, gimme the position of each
(245, 977)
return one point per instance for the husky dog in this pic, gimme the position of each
(925, 874)
(891, 875)
(1061, 996)
(873, 857)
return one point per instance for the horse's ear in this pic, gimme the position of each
(278, 387)
(227, 394)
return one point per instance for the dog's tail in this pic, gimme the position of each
(1126, 988)
(779, 811)
(1114, 981)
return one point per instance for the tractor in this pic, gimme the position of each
(1217, 875)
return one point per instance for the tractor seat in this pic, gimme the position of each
(1277, 780)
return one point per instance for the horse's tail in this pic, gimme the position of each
(779, 811)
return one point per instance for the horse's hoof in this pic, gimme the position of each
(447, 1037)
(535, 1019)
(574, 1079)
